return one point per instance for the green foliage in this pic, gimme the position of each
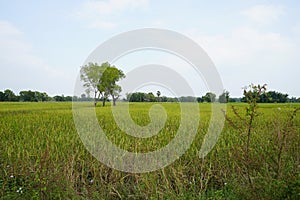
(158, 95)
(108, 82)
(209, 97)
(224, 97)
(8, 95)
(90, 74)
(147, 97)
(265, 141)
(34, 96)
(101, 80)
(269, 97)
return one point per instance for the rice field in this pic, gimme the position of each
(43, 157)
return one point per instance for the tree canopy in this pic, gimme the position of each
(224, 97)
(209, 97)
(102, 81)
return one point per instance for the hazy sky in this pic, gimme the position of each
(44, 43)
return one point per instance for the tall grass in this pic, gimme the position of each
(42, 156)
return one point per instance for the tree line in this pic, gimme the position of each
(267, 97)
(36, 96)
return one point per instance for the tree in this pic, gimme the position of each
(150, 97)
(224, 97)
(2, 97)
(271, 97)
(199, 100)
(91, 74)
(58, 98)
(277, 97)
(108, 83)
(10, 95)
(158, 95)
(209, 97)
(253, 93)
(115, 93)
(33, 96)
(187, 99)
(101, 80)
(136, 97)
(27, 96)
(293, 100)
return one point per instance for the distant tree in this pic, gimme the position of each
(2, 97)
(150, 97)
(158, 95)
(137, 97)
(224, 97)
(165, 99)
(187, 99)
(10, 95)
(199, 100)
(271, 97)
(27, 96)
(209, 97)
(235, 99)
(91, 74)
(277, 97)
(101, 80)
(68, 98)
(58, 98)
(33, 96)
(264, 98)
(75, 98)
(293, 100)
(127, 96)
(83, 97)
(253, 93)
(108, 83)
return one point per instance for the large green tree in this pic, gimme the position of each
(108, 83)
(102, 81)
(91, 74)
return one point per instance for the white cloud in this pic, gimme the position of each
(6, 29)
(21, 68)
(263, 14)
(97, 13)
(247, 45)
(248, 55)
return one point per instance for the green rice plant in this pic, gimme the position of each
(43, 157)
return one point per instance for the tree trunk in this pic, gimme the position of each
(103, 102)
(114, 100)
(95, 99)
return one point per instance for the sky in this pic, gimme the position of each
(44, 43)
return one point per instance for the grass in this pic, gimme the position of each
(42, 156)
